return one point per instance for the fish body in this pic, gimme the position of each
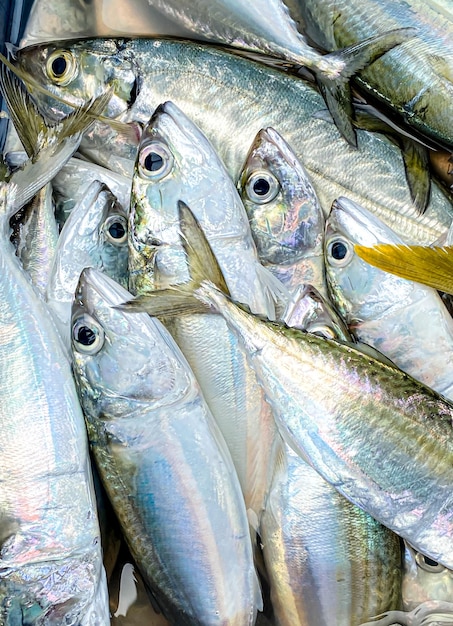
(415, 80)
(51, 560)
(380, 437)
(286, 219)
(239, 98)
(382, 310)
(328, 561)
(95, 235)
(163, 461)
(38, 235)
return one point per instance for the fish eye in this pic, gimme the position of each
(339, 251)
(115, 229)
(427, 564)
(322, 330)
(155, 161)
(61, 67)
(87, 335)
(262, 187)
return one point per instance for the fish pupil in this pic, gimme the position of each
(153, 162)
(86, 336)
(117, 230)
(59, 66)
(261, 187)
(430, 562)
(339, 251)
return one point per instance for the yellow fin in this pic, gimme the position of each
(432, 266)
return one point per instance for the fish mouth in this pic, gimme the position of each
(358, 224)
(91, 282)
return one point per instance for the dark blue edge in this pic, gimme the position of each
(13, 19)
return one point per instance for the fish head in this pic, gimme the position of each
(166, 171)
(123, 361)
(285, 216)
(358, 290)
(424, 579)
(308, 310)
(95, 235)
(76, 72)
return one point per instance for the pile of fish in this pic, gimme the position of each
(214, 411)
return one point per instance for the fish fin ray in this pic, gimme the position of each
(27, 119)
(431, 266)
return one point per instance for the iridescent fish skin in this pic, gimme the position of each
(380, 437)
(241, 97)
(285, 216)
(95, 235)
(328, 561)
(50, 557)
(415, 79)
(163, 461)
(404, 320)
(313, 538)
(38, 238)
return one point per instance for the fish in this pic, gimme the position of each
(328, 562)
(322, 391)
(187, 171)
(51, 559)
(167, 471)
(95, 235)
(286, 219)
(244, 97)
(177, 163)
(37, 238)
(384, 311)
(424, 580)
(429, 265)
(413, 81)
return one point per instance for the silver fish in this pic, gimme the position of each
(95, 235)
(167, 470)
(383, 310)
(286, 219)
(415, 79)
(37, 240)
(176, 162)
(328, 561)
(424, 580)
(380, 437)
(51, 560)
(244, 97)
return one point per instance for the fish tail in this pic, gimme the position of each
(334, 85)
